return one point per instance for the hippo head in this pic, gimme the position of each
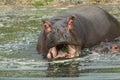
(61, 40)
(107, 47)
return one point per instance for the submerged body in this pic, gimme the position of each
(107, 47)
(76, 29)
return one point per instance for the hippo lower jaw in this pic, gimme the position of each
(63, 51)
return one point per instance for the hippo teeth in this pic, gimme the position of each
(62, 50)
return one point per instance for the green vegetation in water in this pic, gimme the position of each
(20, 27)
(100, 1)
(19, 54)
(41, 3)
(38, 3)
(21, 73)
(48, 1)
(3, 54)
(111, 70)
(65, 48)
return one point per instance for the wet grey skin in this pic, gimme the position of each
(80, 28)
(107, 47)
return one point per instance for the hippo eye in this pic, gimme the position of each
(116, 47)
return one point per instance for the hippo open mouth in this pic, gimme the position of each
(63, 51)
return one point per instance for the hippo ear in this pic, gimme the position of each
(47, 26)
(70, 22)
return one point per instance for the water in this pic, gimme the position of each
(19, 31)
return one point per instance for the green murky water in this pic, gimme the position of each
(19, 31)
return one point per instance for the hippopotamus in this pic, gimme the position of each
(106, 47)
(66, 34)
